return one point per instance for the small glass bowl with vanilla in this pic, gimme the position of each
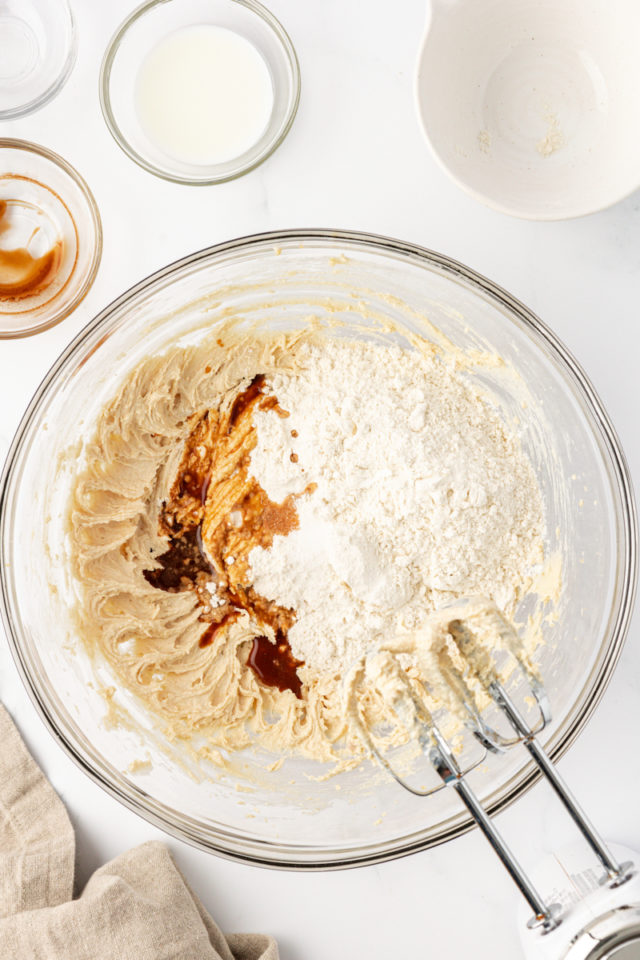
(200, 91)
(50, 238)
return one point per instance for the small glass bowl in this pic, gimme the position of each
(37, 53)
(151, 23)
(46, 196)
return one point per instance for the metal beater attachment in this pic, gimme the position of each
(478, 678)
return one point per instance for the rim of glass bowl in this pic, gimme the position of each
(105, 96)
(13, 113)
(231, 844)
(59, 313)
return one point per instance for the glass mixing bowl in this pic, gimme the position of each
(289, 817)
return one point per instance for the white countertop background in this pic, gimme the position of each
(354, 159)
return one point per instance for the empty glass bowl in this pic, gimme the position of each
(37, 53)
(288, 817)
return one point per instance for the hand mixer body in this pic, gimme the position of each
(598, 922)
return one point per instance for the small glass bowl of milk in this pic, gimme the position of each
(200, 91)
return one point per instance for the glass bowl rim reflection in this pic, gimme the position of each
(274, 854)
(288, 53)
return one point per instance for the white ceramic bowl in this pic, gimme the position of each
(532, 106)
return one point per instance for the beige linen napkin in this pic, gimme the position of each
(137, 907)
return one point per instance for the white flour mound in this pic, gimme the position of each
(422, 497)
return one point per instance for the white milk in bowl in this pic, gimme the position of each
(204, 95)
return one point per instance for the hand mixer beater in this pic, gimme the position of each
(480, 682)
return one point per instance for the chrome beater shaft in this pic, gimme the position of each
(402, 695)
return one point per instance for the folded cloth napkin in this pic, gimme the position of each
(137, 907)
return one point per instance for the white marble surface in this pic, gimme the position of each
(354, 159)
